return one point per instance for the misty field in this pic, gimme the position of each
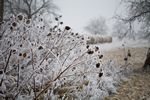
(137, 59)
(137, 85)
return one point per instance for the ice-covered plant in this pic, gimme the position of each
(41, 62)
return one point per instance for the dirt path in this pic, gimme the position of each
(137, 87)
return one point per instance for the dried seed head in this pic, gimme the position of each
(49, 34)
(97, 65)
(20, 17)
(13, 50)
(59, 30)
(20, 45)
(50, 29)
(56, 19)
(22, 67)
(67, 28)
(24, 55)
(28, 21)
(90, 51)
(72, 33)
(54, 27)
(14, 24)
(129, 54)
(20, 54)
(41, 70)
(76, 33)
(100, 56)
(87, 46)
(84, 76)
(125, 59)
(11, 28)
(40, 48)
(57, 54)
(96, 48)
(61, 23)
(100, 74)
(1, 72)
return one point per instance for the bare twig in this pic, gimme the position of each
(58, 76)
(7, 61)
(6, 66)
(18, 74)
(33, 75)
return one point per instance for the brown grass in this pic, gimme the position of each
(137, 59)
(137, 87)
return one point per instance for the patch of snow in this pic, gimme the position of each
(127, 43)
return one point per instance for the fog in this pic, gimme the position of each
(77, 13)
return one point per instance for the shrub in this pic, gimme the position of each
(39, 61)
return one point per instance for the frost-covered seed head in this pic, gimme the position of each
(14, 24)
(20, 17)
(1, 72)
(100, 56)
(97, 65)
(28, 21)
(67, 28)
(90, 51)
(61, 23)
(24, 55)
(100, 74)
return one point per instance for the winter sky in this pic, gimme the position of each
(77, 13)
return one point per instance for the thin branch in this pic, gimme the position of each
(50, 82)
(36, 11)
(18, 74)
(7, 61)
(34, 83)
(6, 66)
(137, 16)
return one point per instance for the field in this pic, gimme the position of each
(137, 85)
(138, 56)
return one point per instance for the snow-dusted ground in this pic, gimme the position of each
(128, 43)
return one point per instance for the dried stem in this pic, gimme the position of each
(18, 75)
(6, 66)
(34, 83)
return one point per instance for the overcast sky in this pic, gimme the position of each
(77, 13)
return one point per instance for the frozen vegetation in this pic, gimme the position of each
(43, 59)
(39, 61)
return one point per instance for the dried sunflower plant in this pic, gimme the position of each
(49, 62)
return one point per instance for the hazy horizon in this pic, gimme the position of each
(77, 13)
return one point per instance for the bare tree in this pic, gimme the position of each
(123, 30)
(97, 26)
(139, 10)
(119, 29)
(30, 7)
(1, 10)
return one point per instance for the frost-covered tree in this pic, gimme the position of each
(30, 7)
(123, 30)
(119, 30)
(97, 26)
(139, 10)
